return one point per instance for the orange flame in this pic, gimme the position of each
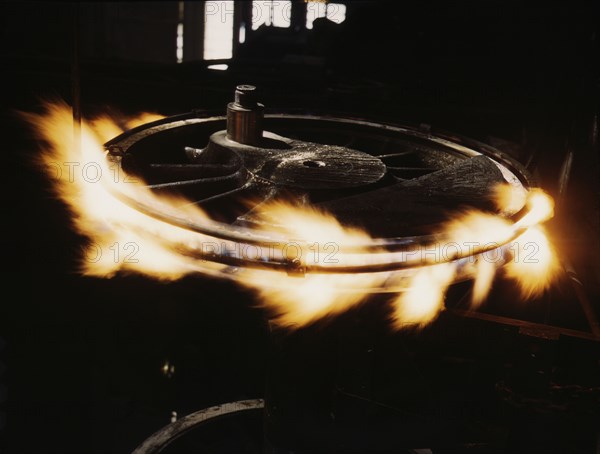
(122, 238)
(534, 265)
(541, 208)
(424, 299)
(485, 271)
(509, 198)
(298, 301)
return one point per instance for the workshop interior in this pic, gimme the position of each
(293, 227)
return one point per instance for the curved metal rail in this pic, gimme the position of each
(158, 441)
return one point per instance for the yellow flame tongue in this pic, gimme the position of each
(534, 266)
(122, 238)
(424, 299)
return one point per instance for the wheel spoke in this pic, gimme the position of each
(202, 188)
(167, 173)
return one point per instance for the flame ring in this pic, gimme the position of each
(513, 172)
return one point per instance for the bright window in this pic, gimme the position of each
(218, 30)
(335, 12)
(276, 12)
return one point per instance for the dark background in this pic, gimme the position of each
(81, 358)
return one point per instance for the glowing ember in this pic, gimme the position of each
(122, 238)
